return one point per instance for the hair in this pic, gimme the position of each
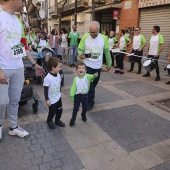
(74, 25)
(53, 31)
(64, 30)
(106, 32)
(122, 31)
(157, 28)
(80, 64)
(53, 62)
(95, 23)
(139, 28)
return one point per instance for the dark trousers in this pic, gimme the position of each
(56, 110)
(156, 64)
(91, 94)
(80, 98)
(119, 60)
(137, 59)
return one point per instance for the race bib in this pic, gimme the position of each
(94, 57)
(18, 51)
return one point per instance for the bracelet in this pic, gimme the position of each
(33, 65)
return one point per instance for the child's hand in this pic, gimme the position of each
(96, 74)
(48, 103)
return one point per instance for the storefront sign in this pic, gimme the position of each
(115, 14)
(149, 3)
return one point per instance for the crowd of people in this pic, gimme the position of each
(91, 49)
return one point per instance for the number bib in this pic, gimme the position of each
(18, 51)
(94, 57)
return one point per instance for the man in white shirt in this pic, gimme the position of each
(13, 47)
(156, 46)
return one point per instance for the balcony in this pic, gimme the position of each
(53, 10)
(69, 8)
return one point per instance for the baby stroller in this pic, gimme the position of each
(45, 53)
(27, 94)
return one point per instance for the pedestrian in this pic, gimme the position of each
(12, 40)
(52, 92)
(156, 45)
(112, 44)
(105, 32)
(94, 44)
(79, 91)
(64, 45)
(139, 42)
(54, 41)
(123, 44)
(169, 69)
(73, 41)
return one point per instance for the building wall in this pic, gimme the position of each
(129, 17)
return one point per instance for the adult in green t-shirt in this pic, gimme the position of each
(156, 46)
(139, 43)
(90, 50)
(73, 44)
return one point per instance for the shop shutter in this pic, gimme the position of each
(156, 16)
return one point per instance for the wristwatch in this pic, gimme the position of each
(33, 65)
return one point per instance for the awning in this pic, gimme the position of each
(104, 7)
(67, 18)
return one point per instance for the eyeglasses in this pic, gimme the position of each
(95, 33)
(136, 30)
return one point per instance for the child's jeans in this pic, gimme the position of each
(80, 98)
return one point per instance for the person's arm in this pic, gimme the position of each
(47, 101)
(73, 90)
(81, 48)
(91, 77)
(143, 40)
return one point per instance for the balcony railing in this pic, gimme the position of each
(80, 3)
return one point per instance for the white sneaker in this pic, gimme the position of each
(0, 132)
(19, 132)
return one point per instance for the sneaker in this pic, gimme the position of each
(84, 118)
(72, 122)
(167, 82)
(0, 132)
(157, 78)
(51, 125)
(146, 75)
(130, 70)
(121, 71)
(60, 123)
(139, 72)
(19, 132)
(115, 66)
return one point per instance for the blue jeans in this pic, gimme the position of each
(80, 98)
(55, 51)
(73, 52)
(91, 94)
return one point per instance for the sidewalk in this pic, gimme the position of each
(123, 132)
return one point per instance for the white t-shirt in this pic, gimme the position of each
(64, 42)
(95, 47)
(42, 43)
(10, 35)
(82, 85)
(122, 43)
(111, 42)
(54, 85)
(136, 42)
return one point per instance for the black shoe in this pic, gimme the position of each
(60, 123)
(90, 107)
(74, 65)
(72, 122)
(84, 118)
(51, 125)
(139, 72)
(157, 78)
(115, 66)
(146, 75)
(167, 82)
(130, 70)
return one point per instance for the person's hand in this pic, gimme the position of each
(140, 49)
(47, 102)
(3, 79)
(156, 56)
(82, 56)
(108, 68)
(39, 70)
(96, 74)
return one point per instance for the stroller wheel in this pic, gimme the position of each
(35, 107)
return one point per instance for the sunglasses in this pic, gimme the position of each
(95, 33)
(136, 30)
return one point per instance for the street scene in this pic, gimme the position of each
(84, 85)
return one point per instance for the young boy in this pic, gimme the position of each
(52, 92)
(79, 91)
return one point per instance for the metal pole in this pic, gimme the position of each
(93, 10)
(75, 13)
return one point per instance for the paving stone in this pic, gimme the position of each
(138, 88)
(47, 158)
(164, 166)
(35, 147)
(131, 126)
(68, 167)
(46, 145)
(37, 161)
(56, 163)
(68, 80)
(45, 166)
(28, 156)
(38, 153)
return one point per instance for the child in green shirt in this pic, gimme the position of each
(79, 91)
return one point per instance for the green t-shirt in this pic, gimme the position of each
(74, 38)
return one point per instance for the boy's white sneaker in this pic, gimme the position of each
(0, 132)
(19, 132)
